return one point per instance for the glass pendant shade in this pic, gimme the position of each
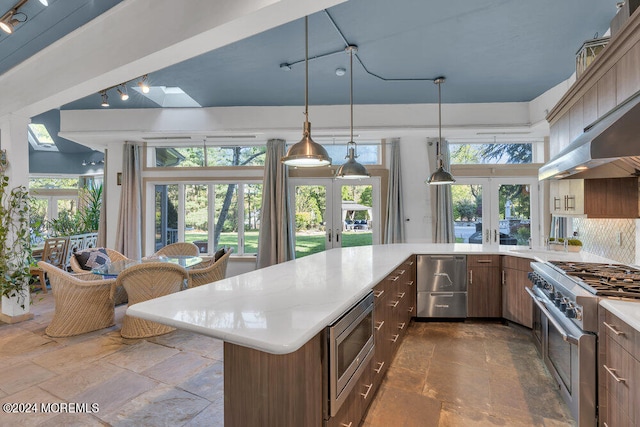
(352, 169)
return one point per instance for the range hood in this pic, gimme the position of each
(608, 148)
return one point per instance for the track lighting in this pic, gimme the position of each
(44, 2)
(105, 98)
(123, 92)
(84, 163)
(9, 20)
(144, 84)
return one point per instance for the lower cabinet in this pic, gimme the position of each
(394, 306)
(619, 372)
(484, 293)
(517, 305)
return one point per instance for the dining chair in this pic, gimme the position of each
(54, 252)
(83, 302)
(215, 270)
(120, 296)
(178, 248)
(146, 281)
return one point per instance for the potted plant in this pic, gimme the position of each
(15, 244)
(574, 245)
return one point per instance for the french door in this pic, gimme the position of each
(495, 211)
(335, 213)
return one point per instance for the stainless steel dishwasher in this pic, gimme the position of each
(442, 286)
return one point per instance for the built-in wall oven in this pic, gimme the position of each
(350, 348)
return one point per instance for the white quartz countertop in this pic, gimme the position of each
(279, 308)
(627, 311)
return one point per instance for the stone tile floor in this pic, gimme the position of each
(444, 374)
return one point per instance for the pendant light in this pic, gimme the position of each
(307, 153)
(440, 176)
(351, 169)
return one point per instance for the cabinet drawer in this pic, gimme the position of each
(619, 379)
(620, 332)
(483, 261)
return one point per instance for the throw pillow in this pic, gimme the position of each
(219, 253)
(92, 258)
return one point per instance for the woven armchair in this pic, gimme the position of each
(179, 248)
(120, 296)
(83, 302)
(144, 282)
(217, 270)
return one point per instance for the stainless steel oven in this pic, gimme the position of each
(350, 347)
(568, 351)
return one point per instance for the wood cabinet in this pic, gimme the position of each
(517, 305)
(611, 198)
(484, 293)
(394, 306)
(619, 372)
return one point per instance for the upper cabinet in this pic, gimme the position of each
(612, 77)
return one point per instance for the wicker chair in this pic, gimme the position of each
(83, 302)
(53, 253)
(120, 296)
(144, 282)
(215, 270)
(179, 248)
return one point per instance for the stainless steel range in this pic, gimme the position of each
(566, 296)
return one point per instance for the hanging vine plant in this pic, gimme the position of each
(15, 238)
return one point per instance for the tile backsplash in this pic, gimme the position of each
(610, 238)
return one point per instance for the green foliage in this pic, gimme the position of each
(86, 219)
(464, 210)
(507, 153)
(15, 239)
(574, 242)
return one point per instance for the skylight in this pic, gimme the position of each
(40, 138)
(169, 97)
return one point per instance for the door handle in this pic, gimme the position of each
(329, 235)
(444, 275)
(337, 236)
(487, 236)
(495, 235)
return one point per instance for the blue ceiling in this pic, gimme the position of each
(489, 51)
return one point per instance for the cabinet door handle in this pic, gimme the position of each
(393, 279)
(400, 272)
(366, 394)
(410, 309)
(395, 337)
(614, 329)
(503, 277)
(612, 372)
(379, 367)
(484, 261)
(410, 283)
(470, 276)
(346, 425)
(378, 294)
(394, 304)
(409, 263)
(401, 325)
(380, 325)
(401, 294)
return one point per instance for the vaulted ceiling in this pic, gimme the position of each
(488, 50)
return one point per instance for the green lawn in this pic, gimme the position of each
(306, 244)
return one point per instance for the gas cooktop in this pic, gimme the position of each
(613, 280)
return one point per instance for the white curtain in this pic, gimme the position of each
(276, 238)
(129, 233)
(394, 230)
(444, 205)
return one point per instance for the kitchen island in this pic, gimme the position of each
(272, 321)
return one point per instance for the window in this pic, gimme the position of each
(485, 152)
(368, 153)
(205, 156)
(210, 215)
